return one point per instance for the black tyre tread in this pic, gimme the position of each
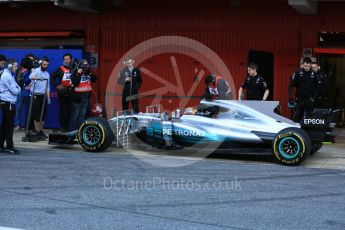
(315, 147)
(306, 140)
(107, 132)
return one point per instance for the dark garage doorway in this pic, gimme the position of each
(331, 57)
(265, 62)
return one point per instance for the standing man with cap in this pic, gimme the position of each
(9, 90)
(130, 79)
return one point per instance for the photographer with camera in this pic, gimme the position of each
(61, 80)
(23, 100)
(80, 94)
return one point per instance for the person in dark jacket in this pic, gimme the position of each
(322, 87)
(24, 82)
(217, 88)
(255, 85)
(305, 83)
(61, 80)
(131, 81)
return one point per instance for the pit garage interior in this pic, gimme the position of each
(273, 33)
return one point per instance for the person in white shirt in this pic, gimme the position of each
(40, 87)
(9, 89)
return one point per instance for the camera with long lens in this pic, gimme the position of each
(85, 67)
(36, 63)
(28, 63)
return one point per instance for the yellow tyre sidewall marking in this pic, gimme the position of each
(289, 134)
(94, 123)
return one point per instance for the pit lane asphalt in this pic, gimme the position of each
(66, 188)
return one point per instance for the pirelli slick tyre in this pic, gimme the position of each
(95, 134)
(291, 146)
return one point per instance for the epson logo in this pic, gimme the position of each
(314, 121)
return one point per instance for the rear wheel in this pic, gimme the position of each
(291, 146)
(95, 134)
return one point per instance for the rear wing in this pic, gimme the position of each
(320, 125)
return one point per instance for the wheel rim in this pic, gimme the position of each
(289, 147)
(91, 135)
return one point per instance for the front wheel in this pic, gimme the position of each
(291, 146)
(95, 134)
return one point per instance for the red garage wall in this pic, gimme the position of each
(230, 31)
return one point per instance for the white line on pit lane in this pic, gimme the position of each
(5, 228)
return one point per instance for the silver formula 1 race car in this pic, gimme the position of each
(226, 125)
